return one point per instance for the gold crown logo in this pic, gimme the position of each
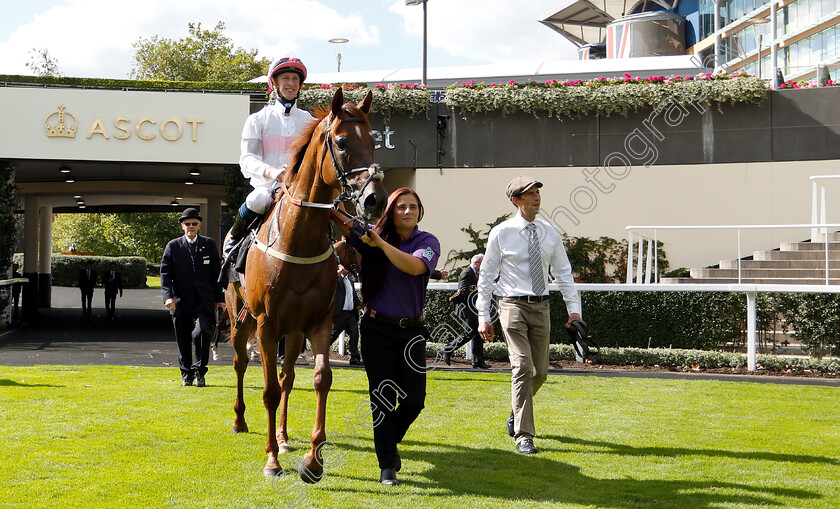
(61, 130)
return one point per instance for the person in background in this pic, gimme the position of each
(346, 314)
(112, 281)
(188, 272)
(87, 282)
(464, 301)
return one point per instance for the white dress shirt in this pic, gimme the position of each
(506, 257)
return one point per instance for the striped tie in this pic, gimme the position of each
(535, 261)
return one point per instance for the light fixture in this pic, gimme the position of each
(195, 172)
(179, 198)
(64, 169)
(80, 202)
(77, 196)
(82, 206)
(70, 179)
(335, 42)
(174, 203)
(189, 182)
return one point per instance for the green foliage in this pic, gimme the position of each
(604, 96)
(204, 55)
(143, 233)
(814, 320)
(478, 238)
(408, 100)
(236, 189)
(8, 207)
(64, 269)
(41, 63)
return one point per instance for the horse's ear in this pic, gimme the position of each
(337, 102)
(366, 103)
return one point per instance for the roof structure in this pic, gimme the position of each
(584, 21)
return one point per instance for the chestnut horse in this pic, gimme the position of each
(290, 277)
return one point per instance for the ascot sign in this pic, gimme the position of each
(171, 129)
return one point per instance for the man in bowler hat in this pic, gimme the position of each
(188, 272)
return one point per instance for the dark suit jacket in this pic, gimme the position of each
(112, 287)
(340, 295)
(466, 288)
(191, 285)
(87, 283)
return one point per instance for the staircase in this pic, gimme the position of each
(801, 263)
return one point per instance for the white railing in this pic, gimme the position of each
(649, 277)
(749, 289)
(818, 204)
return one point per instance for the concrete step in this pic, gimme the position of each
(750, 281)
(795, 255)
(808, 246)
(780, 264)
(832, 237)
(772, 273)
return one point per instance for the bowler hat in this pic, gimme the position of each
(190, 213)
(519, 185)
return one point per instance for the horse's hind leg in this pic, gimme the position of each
(312, 467)
(240, 337)
(287, 381)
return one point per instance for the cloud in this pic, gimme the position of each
(94, 38)
(488, 31)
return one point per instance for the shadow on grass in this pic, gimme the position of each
(508, 475)
(672, 452)
(5, 382)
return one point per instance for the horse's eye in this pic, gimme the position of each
(341, 143)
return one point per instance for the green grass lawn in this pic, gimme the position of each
(131, 437)
(152, 281)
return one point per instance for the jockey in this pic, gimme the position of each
(266, 139)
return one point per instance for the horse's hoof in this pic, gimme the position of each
(308, 475)
(234, 430)
(284, 448)
(272, 472)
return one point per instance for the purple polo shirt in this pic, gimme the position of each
(403, 295)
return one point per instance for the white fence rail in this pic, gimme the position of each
(750, 290)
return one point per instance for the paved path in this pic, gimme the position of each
(142, 335)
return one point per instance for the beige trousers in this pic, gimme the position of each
(526, 327)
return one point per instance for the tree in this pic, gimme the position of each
(41, 63)
(143, 234)
(204, 55)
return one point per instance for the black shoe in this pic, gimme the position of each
(526, 446)
(510, 424)
(447, 357)
(199, 381)
(186, 382)
(356, 362)
(481, 365)
(388, 477)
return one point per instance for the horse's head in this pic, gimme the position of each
(350, 145)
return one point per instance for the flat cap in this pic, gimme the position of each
(520, 184)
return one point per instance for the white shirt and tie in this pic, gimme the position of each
(507, 257)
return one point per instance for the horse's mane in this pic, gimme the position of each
(301, 144)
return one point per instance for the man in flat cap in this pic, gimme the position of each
(188, 272)
(519, 253)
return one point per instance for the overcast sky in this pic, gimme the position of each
(93, 38)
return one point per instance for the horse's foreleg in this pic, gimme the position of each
(287, 381)
(271, 392)
(240, 337)
(311, 468)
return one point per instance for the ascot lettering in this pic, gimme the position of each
(170, 129)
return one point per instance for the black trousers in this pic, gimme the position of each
(193, 330)
(470, 321)
(110, 303)
(395, 362)
(347, 322)
(87, 299)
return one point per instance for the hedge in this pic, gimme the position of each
(65, 268)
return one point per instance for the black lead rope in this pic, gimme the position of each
(579, 335)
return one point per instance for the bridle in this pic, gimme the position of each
(343, 176)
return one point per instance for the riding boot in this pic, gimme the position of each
(234, 235)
